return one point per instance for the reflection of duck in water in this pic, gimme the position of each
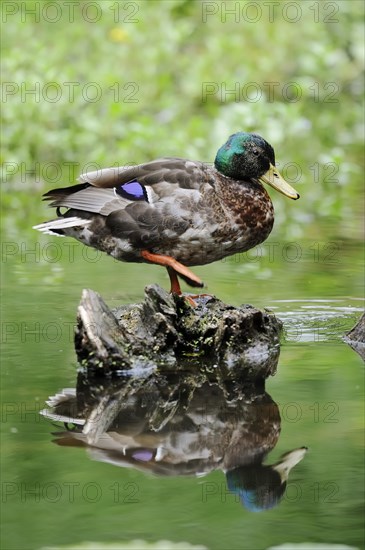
(261, 487)
(170, 438)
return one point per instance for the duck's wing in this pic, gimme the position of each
(110, 189)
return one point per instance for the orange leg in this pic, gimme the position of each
(174, 268)
(174, 281)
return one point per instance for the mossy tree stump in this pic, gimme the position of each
(165, 334)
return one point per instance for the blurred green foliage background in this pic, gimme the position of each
(124, 82)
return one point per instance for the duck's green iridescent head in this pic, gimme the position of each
(249, 157)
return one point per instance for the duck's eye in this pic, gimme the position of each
(132, 190)
(256, 152)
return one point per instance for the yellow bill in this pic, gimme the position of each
(276, 180)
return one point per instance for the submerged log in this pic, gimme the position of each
(165, 334)
(356, 337)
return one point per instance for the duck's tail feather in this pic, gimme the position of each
(56, 227)
(63, 407)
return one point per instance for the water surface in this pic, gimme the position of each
(63, 497)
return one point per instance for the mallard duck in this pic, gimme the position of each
(175, 212)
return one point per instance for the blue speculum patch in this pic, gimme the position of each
(132, 190)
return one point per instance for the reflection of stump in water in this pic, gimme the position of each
(177, 437)
(165, 333)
